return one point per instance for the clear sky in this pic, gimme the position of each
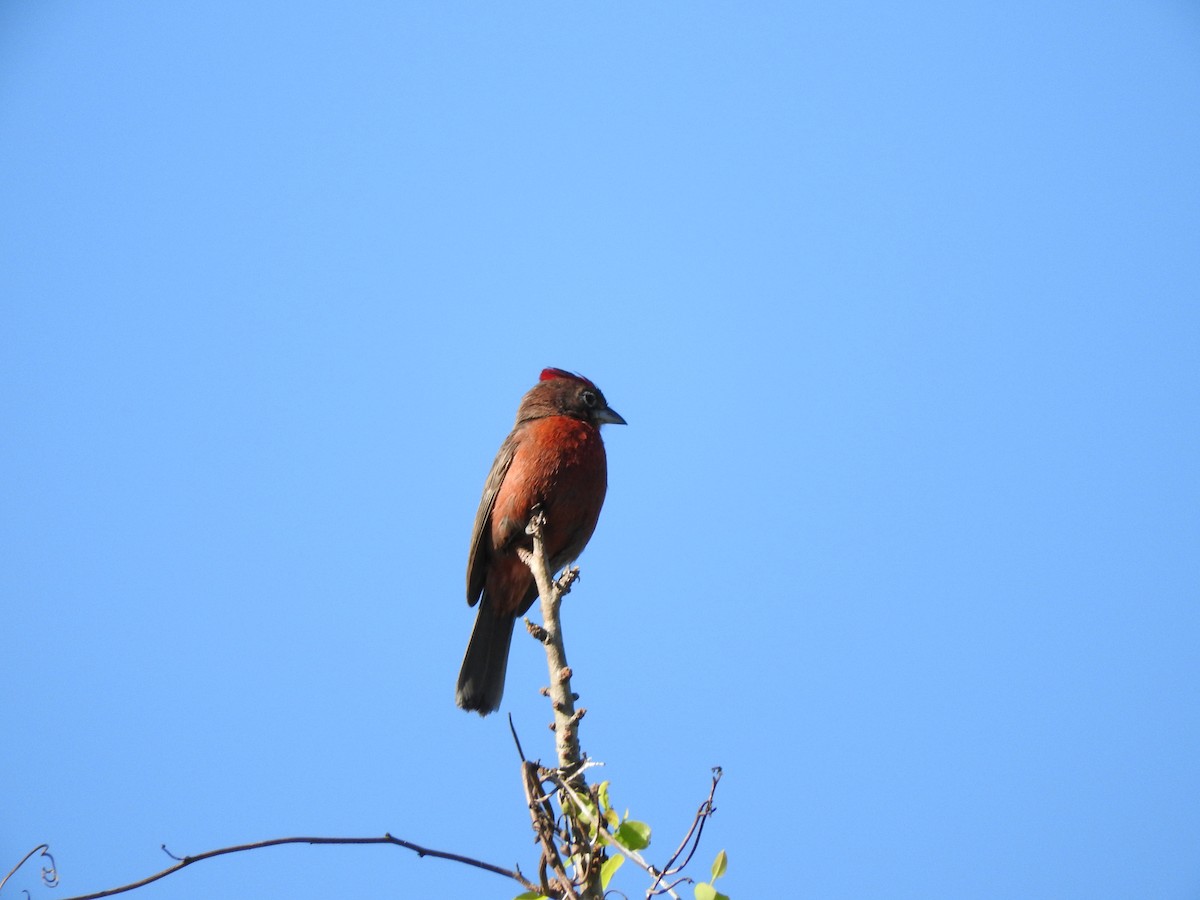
(902, 304)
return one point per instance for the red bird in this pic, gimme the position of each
(553, 458)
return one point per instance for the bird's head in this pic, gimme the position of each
(562, 393)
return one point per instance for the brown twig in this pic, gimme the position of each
(258, 845)
(706, 809)
(542, 815)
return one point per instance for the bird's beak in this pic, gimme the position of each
(608, 416)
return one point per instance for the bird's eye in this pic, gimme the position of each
(589, 399)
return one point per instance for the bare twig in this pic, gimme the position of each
(386, 839)
(516, 740)
(550, 592)
(542, 814)
(706, 809)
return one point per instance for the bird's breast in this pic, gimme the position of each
(560, 465)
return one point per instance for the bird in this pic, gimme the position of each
(552, 460)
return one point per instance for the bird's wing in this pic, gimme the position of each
(478, 560)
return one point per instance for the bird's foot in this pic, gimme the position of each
(568, 577)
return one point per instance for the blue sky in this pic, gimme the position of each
(901, 304)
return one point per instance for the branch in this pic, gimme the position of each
(542, 814)
(386, 839)
(706, 809)
(562, 699)
(585, 856)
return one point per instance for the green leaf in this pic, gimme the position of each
(719, 865)
(587, 810)
(530, 895)
(633, 835)
(609, 869)
(706, 892)
(602, 793)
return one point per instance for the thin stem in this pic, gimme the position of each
(258, 845)
(706, 809)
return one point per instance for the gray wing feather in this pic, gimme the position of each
(477, 561)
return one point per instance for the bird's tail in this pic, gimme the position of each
(481, 680)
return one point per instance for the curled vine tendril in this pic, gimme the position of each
(50, 872)
(49, 869)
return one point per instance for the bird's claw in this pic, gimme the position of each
(568, 577)
(537, 522)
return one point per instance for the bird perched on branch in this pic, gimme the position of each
(552, 459)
